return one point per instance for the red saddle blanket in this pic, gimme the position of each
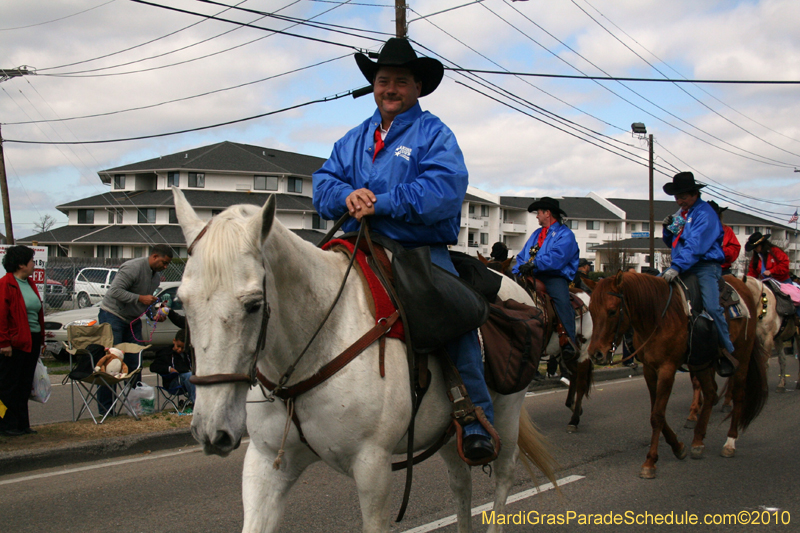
(383, 304)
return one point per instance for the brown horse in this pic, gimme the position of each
(660, 325)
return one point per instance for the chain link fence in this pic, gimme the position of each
(74, 283)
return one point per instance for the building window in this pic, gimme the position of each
(735, 230)
(265, 183)
(138, 251)
(101, 251)
(147, 215)
(592, 225)
(572, 224)
(295, 185)
(173, 216)
(115, 216)
(173, 179)
(749, 230)
(197, 179)
(317, 222)
(215, 212)
(484, 238)
(471, 209)
(589, 246)
(630, 227)
(645, 226)
(85, 216)
(119, 181)
(115, 251)
(484, 210)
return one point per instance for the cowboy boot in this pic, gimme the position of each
(727, 364)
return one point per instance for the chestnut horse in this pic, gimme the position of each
(660, 335)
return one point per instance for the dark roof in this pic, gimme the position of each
(632, 245)
(198, 199)
(640, 210)
(124, 234)
(519, 202)
(226, 156)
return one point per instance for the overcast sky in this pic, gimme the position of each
(108, 58)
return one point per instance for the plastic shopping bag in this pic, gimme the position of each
(40, 389)
(142, 399)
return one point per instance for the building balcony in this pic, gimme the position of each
(514, 227)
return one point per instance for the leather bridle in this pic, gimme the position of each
(619, 333)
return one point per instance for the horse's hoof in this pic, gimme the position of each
(697, 452)
(728, 452)
(648, 472)
(690, 424)
(572, 428)
(681, 453)
(726, 408)
(780, 389)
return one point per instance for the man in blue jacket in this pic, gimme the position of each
(551, 255)
(695, 235)
(404, 169)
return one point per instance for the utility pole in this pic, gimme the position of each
(7, 74)
(652, 222)
(4, 193)
(401, 28)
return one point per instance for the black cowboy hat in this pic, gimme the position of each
(682, 182)
(583, 262)
(397, 52)
(545, 202)
(755, 239)
(717, 208)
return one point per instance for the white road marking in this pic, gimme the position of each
(597, 385)
(149, 457)
(488, 507)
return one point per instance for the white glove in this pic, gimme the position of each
(670, 275)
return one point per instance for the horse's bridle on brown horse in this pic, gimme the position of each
(621, 309)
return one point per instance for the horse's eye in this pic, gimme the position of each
(612, 313)
(252, 307)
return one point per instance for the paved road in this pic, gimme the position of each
(182, 490)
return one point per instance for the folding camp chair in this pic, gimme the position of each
(171, 391)
(88, 382)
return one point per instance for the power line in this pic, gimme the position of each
(207, 93)
(56, 20)
(421, 17)
(201, 128)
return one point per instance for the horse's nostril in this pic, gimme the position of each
(223, 440)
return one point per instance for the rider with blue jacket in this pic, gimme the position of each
(695, 235)
(551, 255)
(404, 169)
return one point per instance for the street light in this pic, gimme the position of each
(639, 129)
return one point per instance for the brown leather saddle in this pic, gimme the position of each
(553, 323)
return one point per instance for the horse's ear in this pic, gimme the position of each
(263, 223)
(507, 263)
(482, 259)
(618, 278)
(188, 219)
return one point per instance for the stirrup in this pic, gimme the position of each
(492, 433)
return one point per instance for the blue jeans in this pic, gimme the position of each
(184, 377)
(465, 352)
(122, 333)
(708, 276)
(558, 289)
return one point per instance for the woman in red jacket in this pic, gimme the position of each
(730, 244)
(21, 339)
(768, 260)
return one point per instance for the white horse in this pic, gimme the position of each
(768, 326)
(356, 420)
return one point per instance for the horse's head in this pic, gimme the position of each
(223, 293)
(609, 321)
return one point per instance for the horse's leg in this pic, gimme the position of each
(782, 366)
(461, 484)
(373, 475)
(707, 384)
(660, 387)
(506, 422)
(737, 388)
(264, 489)
(697, 404)
(581, 380)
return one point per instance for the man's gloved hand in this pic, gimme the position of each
(667, 220)
(670, 275)
(526, 269)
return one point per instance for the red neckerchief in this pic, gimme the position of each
(378, 142)
(542, 235)
(678, 236)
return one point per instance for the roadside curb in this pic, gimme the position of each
(109, 448)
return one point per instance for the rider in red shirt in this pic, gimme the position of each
(730, 244)
(768, 261)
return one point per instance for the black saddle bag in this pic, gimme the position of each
(439, 306)
(703, 341)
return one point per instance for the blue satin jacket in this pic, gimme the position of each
(701, 239)
(558, 256)
(419, 179)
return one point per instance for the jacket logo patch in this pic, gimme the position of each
(403, 151)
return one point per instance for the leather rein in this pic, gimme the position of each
(621, 309)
